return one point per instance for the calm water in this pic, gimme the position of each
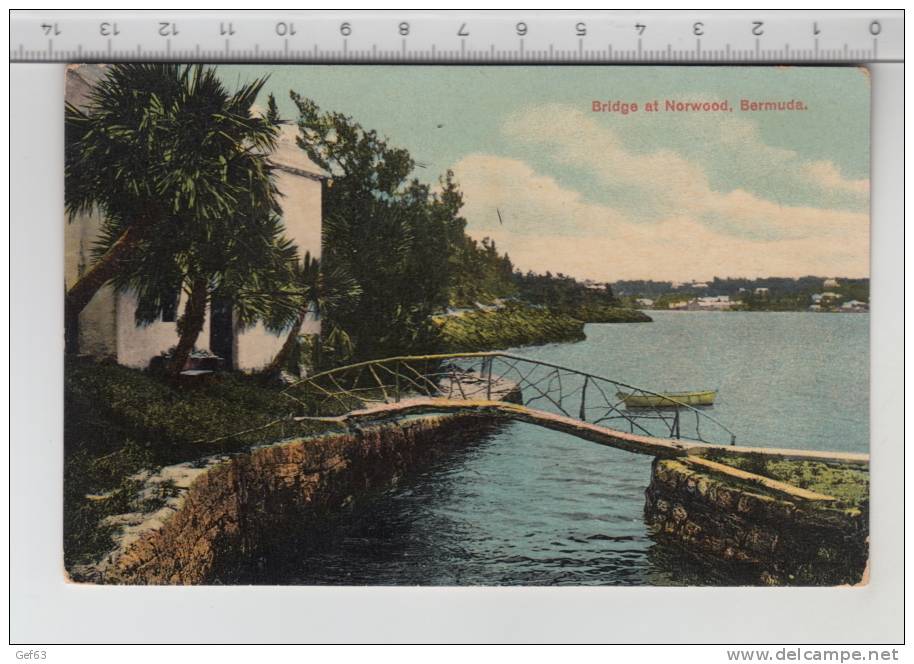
(530, 506)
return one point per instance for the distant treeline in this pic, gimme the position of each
(857, 289)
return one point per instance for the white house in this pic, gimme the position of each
(107, 327)
(855, 305)
(829, 283)
(719, 302)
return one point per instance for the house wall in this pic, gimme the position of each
(137, 345)
(97, 329)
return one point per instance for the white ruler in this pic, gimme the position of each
(459, 36)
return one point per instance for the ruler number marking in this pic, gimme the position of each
(108, 29)
(284, 29)
(758, 28)
(167, 29)
(50, 29)
(875, 28)
(226, 29)
(580, 29)
(698, 29)
(463, 31)
(403, 28)
(640, 27)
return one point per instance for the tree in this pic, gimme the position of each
(244, 259)
(315, 291)
(387, 231)
(272, 115)
(162, 151)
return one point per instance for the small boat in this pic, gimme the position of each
(667, 399)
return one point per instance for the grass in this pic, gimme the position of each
(603, 314)
(119, 421)
(506, 328)
(849, 484)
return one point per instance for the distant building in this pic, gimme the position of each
(830, 283)
(682, 305)
(718, 302)
(644, 302)
(761, 291)
(698, 284)
(831, 296)
(816, 298)
(855, 305)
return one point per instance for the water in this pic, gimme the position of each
(535, 507)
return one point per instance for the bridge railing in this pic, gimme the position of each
(495, 376)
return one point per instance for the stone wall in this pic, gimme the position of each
(773, 539)
(234, 508)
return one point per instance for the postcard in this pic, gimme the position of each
(466, 326)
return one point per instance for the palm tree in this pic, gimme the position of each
(316, 291)
(158, 150)
(244, 259)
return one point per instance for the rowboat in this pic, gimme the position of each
(667, 399)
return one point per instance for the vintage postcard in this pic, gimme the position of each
(456, 325)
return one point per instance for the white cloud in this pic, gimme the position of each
(549, 227)
(690, 230)
(826, 175)
(666, 178)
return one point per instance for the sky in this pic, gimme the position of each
(645, 195)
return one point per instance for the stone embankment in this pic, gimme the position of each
(777, 534)
(221, 512)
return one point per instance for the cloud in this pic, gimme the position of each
(529, 203)
(659, 215)
(826, 175)
(664, 181)
(550, 227)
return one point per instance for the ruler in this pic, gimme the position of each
(505, 37)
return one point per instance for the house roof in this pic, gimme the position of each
(292, 159)
(79, 82)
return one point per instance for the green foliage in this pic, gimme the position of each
(849, 484)
(561, 292)
(170, 143)
(118, 421)
(598, 313)
(107, 404)
(507, 327)
(272, 115)
(389, 233)
(479, 273)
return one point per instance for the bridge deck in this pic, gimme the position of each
(631, 442)
(582, 405)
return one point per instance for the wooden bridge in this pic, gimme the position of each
(571, 401)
